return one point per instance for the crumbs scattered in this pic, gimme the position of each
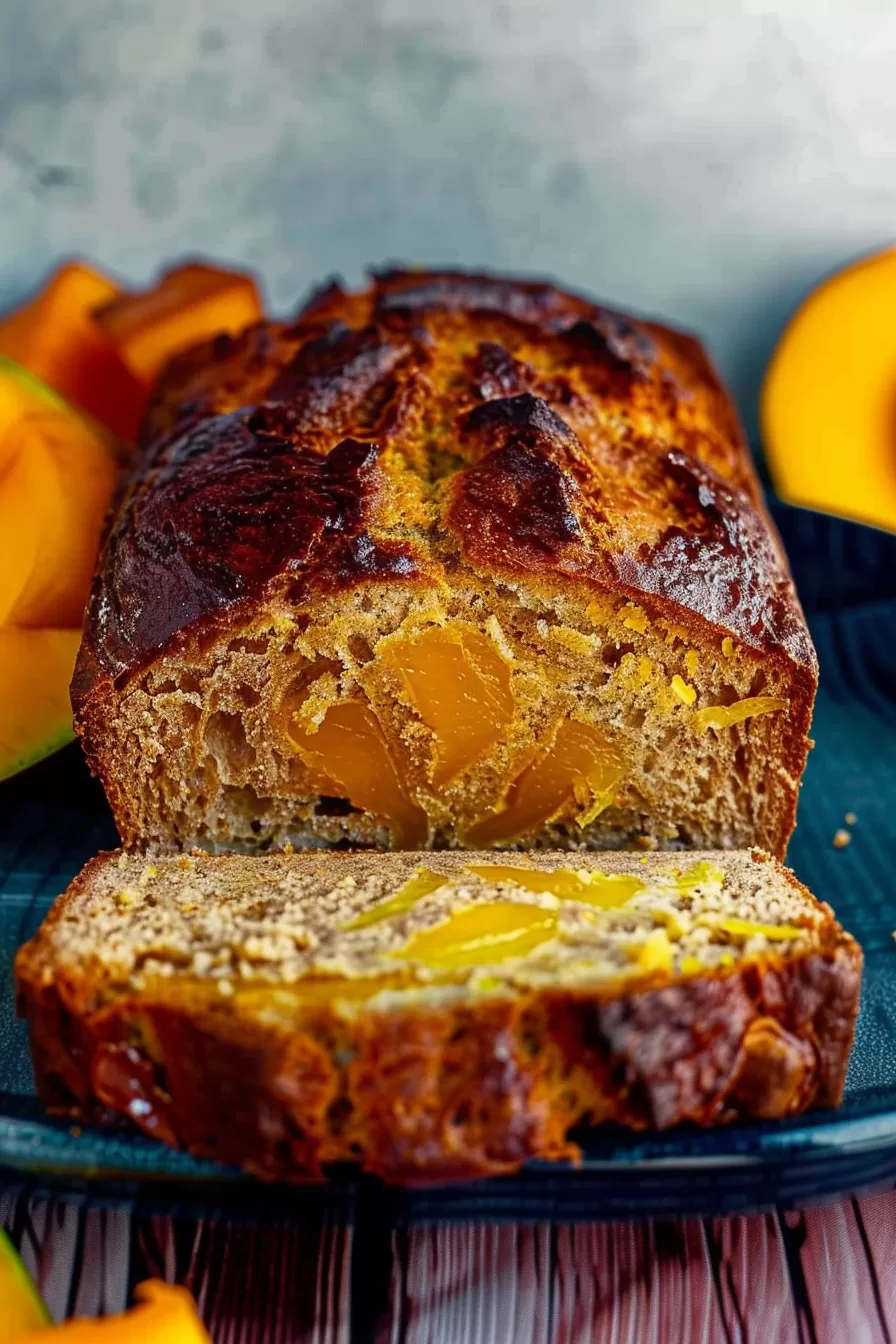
(841, 839)
(850, 818)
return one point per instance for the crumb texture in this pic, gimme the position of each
(456, 560)
(273, 1011)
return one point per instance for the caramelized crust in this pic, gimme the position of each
(426, 1086)
(432, 434)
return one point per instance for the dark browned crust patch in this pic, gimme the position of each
(587, 448)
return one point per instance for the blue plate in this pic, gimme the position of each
(54, 817)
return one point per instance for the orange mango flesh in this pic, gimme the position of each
(459, 684)
(23, 1308)
(164, 1314)
(36, 668)
(423, 883)
(723, 716)
(55, 336)
(828, 406)
(746, 928)
(480, 935)
(57, 478)
(189, 304)
(598, 889)
(578, 777)
(349, 756)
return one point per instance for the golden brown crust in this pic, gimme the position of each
(585, 448)
(436, 446)
(484, 1084)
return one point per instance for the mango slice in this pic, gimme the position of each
(55, 336)
(54, 493)
(481, 935)
(348, 749)
(604, 891)
(723, 716)
(36, 668)
(828, 406)
(578, 776)
(423, 883)
(746, 928)
(164, 1314)
(23, 1306)
(189, 304)
(459, 684)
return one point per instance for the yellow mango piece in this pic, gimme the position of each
(35, 711)
(349, 749)
(23, 1307)
(567, 884)
(827, 406)
(164, 1312)
(723, 716)
(57, 475)
(480, 935)
(745, 928)
(682, 691)
(702, 874)
(459, 684)
(423, 883)
(655, 953)
(578, 776)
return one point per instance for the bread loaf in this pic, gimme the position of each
(453, 561)
(449, 1020)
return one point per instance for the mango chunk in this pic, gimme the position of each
(481, 935)
(23, 1305)
(349, 749)
(606, 892)
(827, 406)
(36, 668)
(423, 883)
(655, 953)
(164, 1311)
(723, 716)
(459, 684)
(189, 304)
(577, 777)
(55, 336)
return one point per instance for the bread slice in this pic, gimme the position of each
(289, 1011)
(454, 561)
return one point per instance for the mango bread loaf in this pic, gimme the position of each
(448, 1020)
(456, 560)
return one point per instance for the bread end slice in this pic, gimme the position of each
(434, 1022)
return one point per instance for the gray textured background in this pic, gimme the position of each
(702, 159)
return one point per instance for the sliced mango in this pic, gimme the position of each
(423, 883)
(348, 750)
(55, 336)
(22, 1305)
(723, 716)
(188, 304)
(459, 684)
(577, 777)
(35, 712)
(481, 935)
(57, 475)
(606, 891)
(828, 406)
(164, 1314)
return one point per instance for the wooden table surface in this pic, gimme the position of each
(826, 1275)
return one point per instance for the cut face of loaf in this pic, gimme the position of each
(434, 1021)
(456, 561)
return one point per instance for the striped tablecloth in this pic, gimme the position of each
(826, 1275)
